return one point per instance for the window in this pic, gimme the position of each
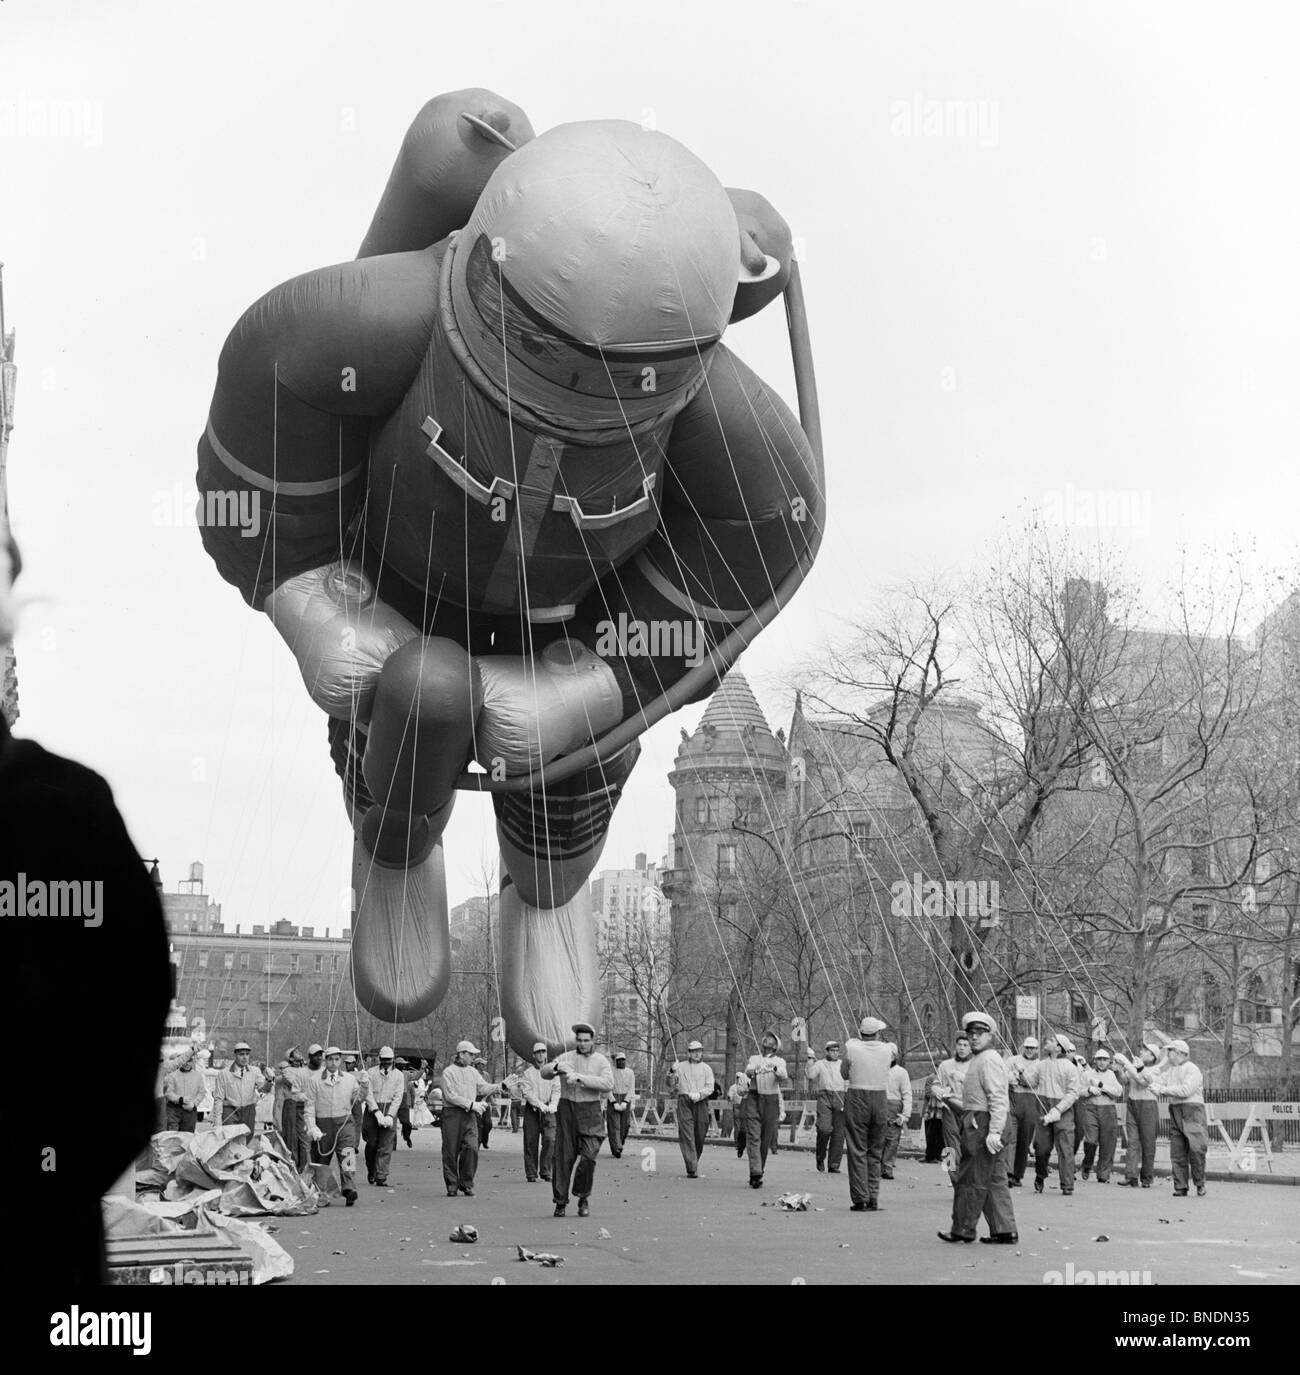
(1211, 1001)
(203, 959)
(1201, 915)
(1200, 856)
(1078, 1009)
(320, 963)
(727, 860)
(861, 834)
(927, 1018)
(335, 965)
(201, 988)
(701, 810)
(229, 961)
(295, 963)
(729, 910)
(243, 962)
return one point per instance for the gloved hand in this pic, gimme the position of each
(384, 1120)
(900, 1120)
(480, 1108)
(1052, 1115)
(316, 1133)
(694, 1097)
(993, 1143)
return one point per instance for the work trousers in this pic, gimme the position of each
(485, 1125)
(1061, 1136)
(381, 1142)
(1022, 1124)
(617, 1122)
(830, 1127)
(579, 1129)
(933, 1140)
(981, 1182)
(1140, 1139)
(516, 1115)
(893, 1135)
(339, 1139)
(762, 1118)
(1100, 1131)
(460, 1144)
(539, 1142)
(231, 1117)
(293, 1129)
(1189, 1140)
(404, 1121)
(864, 1136)
(1080, 1125)
(181, 1119)
(692, 1128)
(951, 1131)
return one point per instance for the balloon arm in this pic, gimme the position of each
(704, 679)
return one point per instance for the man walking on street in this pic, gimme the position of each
(463, 1089)
(738, 1096)
(1057, 1084)
(387, 1089)
(982, 1174)
(618, 1111)
(1101, 1092)
(948, 1083)
(694, 1084)
(1178, 1080)
(579, 1123)
(1022, 1071)
(898, 1108)
(331, 1127)
(541, 1098)
(238, 1088)
(293, 1128)
(1143, 1116)
(866, 1068)
(485, 1119)
(182, 1089)
(766, 1073)
(828, 1087)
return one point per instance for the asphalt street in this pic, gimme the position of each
(649, 1224)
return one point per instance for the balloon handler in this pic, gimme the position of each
(512, 490)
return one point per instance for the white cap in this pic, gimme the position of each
(1101, 1053)
(1064, 1042)
(694, 1045)
(333, 1050)
(468, 1046)
(540, 1045)
(869, 1026)
(1179, 1045)
(385, 1052)
(976, 1019)
(242, 1045)
(1030, 1041)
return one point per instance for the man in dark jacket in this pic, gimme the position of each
(64, 850)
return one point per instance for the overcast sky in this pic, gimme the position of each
(1049, 251)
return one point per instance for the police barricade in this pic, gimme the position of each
(1244, 1136)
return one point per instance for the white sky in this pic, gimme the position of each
(1088, 284)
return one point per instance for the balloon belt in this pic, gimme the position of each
(707, 675)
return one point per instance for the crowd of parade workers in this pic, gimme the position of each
(983, 1113)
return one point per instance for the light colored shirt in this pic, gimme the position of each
(385, 1091)
(184, 1087)
(1181, 1083)
(693, 1078)
(985, 1088)
(1022, 1072)
(949, 1077)
(624, 1085)
(866, 1063)
(539, 1093)
(898, 1089)
(241, 1088)
(589, 1076)
(463, 1086)
(1100, 1087)
(1058, 1082)
(766, 1073)
(1138, 1089)
(332, 1097)
(299, 1080)
(824, 1077)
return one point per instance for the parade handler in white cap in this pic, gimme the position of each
(1101, 1094)
(766, 1072)
(1059, 1085)
(1141, 1122)
(463, 1092)
(387, 1089)
(584, 1076)
(898, 1108)
(693, 1081)
(237, 1090)
(1177, 1079)
(827, 1083)
(1022, 1071)
(618, 1111)
(982, 1174)
(331, 1127)
(866, 1069)
(541, 1099)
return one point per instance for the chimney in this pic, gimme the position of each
(640, 861)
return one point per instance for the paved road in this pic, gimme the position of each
(665, 1229)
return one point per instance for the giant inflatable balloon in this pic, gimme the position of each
(514, 495)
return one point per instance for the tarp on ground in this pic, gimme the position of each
(252, 1177)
